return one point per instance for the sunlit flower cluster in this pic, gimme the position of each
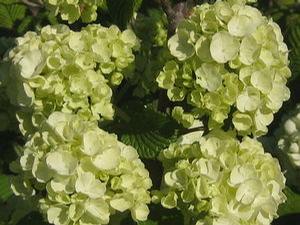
(218, 180)
(230, 63)
(63, 70)
(87, 173)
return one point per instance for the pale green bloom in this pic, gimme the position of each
(217, 179)
(229, 59)
(59, 69)
(81, 174)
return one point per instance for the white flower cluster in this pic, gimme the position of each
(63, 70)
(73, 10)
(230, 63)
(221, 181)
(87, 173)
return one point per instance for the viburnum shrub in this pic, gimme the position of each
(149, 116)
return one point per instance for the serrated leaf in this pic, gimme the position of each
(147, 131)
(10, 13)
(5, 190)
(24, 25)
(293, 40)
(121, 11)
(292, 205)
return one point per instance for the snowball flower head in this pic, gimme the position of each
(218, 180)
(73, 10)
(81, 173)
(62, 70)
(230, 63)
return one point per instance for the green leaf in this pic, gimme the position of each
(33, 218)
(10, 1)
(24, 25)
(10, 13)
(293, 41)
(5, 190)
(158, 216)
(292, 205)
(15, 209)
(148, 222)
(5, 44)
(121, 11)
(146, 130)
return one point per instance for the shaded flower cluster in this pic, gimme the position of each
(288, 137)
(218, 180)
(88, 175)
(230, 64)
(73, 10)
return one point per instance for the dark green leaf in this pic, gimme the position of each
(121, 11)
(293, 41)
(33, 218)
(145, 129)
(5, 190)
(148, 222)
(292, 205)
(5, 44)
(10, 13)
(24, 25)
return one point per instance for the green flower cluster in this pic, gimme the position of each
(63, 70)
(72, 10)
(218, 180)
(152, 28)
(87, 173)
(230, 63)
(152, 31)
(288, 137)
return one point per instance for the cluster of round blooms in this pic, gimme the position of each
(230, 62)
(288, 137)
(218, 180)
(86, 173)
(63, 70)
(72, 10)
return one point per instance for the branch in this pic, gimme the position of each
(176, 13)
